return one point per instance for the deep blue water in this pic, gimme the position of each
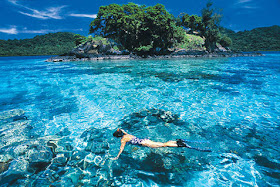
(57, 120)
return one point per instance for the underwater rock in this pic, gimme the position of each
(15, 132)
(22, 155)
(125, 177)
(12, 115)
(98, 148)
(92, 162)
(76, 159)
(170, 77)
(154, 162)
(17, 169)
(39, 158)
(71, 177)
(97, 140)
(63, 145)
(20, 150)
(64, 132)
(4, 162)
(152, 116)
(5, 157)
(60, 160)
(168, 117)
(52, 145)
(172, 160)
(265, 162)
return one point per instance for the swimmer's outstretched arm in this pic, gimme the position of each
(124, 132)
(121, 150)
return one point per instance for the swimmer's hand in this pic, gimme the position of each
(115, 158)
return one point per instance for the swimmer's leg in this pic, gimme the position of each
(183, 143)
(171, 144)
(152, 144)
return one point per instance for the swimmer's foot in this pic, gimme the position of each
(182, 143)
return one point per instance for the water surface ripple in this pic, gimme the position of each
(57, 120)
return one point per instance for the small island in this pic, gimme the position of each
(194, 115)
(131, 31)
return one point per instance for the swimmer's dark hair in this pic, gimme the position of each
(118, 133)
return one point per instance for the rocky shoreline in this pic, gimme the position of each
(103, 49)
(69, 58)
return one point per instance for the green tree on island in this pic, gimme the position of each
(140, 29)
(147, 31)
(210, 27)
(152, 30)
(193, 22)
(79, 39)
(207, 26)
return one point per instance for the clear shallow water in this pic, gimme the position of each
(71, 109)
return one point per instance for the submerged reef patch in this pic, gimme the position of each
(53, 160)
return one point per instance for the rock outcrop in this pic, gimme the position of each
(103, 49)
(94, 49)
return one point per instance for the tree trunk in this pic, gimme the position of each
(210, 46)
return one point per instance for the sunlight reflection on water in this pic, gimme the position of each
(74, 107)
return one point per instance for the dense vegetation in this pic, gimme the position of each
(152, 30)
(49, 44)
(259, 39)
(206, 26)
(191, 42)
(149, 30)
(139, 29)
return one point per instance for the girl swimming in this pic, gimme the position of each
(130, 139)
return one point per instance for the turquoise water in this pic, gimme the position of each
(57, 120)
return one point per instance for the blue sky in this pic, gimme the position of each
(28, 18)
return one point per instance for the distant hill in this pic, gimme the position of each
(259, 39)
(48, 44)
